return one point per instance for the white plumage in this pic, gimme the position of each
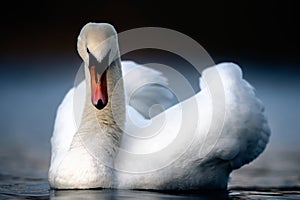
(186, 151)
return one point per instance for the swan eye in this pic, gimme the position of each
(87, 49)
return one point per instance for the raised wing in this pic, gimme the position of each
(146, 87)
(245, 131)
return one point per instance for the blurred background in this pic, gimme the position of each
(39, 60)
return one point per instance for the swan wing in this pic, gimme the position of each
(245, 132)
(64, 130)
(66, 124)
(145, 87)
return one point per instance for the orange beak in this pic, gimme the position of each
(98, 72)
(99, 88)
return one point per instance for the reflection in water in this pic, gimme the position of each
(135, 194)
(12, 187)
(252, 193)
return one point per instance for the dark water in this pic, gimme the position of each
(30, 94)
(37, 188)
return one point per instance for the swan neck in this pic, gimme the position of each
(107, 122)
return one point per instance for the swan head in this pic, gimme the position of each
(98, 47)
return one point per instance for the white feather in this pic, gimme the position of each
(189, 145)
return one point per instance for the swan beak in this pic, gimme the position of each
(98, 74)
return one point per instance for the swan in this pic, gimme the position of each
(99, 154)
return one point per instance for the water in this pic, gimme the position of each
(37, 188)
(31, 92)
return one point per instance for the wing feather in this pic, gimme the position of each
(245, 133)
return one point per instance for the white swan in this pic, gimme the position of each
(187, 152)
